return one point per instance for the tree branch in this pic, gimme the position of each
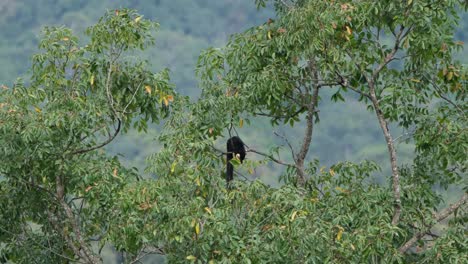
(384, 125)
(391, 55)
(259, 153)
(288, 143)
(437, 218)
(281, 116)
(112, 137)
(83, 251)
(438, 90)
(301, 155)
(270, 157)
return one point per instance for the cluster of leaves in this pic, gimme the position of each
(56, 182)
(274, 70)
(254, 222)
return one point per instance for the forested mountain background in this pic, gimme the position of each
(186, 28)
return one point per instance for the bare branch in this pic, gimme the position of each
(111, 137)
(281, 116)
(391, 56)
(110, 99)
(345, 84)
(288, 143)
(133, 97)
(259, 153)
(147, 251)
(437, 218)
(270, 157)
(439, 92)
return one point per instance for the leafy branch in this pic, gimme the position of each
(437, 218)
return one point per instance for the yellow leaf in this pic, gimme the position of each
(91, 80)
(37, 109)
(197, 181)
(415, 80)
(338, 236)
(211, 262)
(348, 29)
(352, 247)
(332, 172)
(166, 102)
(322, 169)
(197, 228)
(241, 123)
(138, 19)
(192, 258)
(449, 76)
(341, 190)
(115, 172)
(208, 210)
(269, 34)
(444, 71)
(340, 233)
(173, 166)
(293, 216)
(65, 39)
(148, 89)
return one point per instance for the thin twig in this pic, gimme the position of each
(288, 143)
(112, 137)
(439, 92)
(133, 97)
(270, 157)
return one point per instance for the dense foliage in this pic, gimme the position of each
(77, 101)
(64, 199)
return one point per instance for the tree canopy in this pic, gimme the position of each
(64, 199)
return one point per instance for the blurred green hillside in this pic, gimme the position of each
(186, 28)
